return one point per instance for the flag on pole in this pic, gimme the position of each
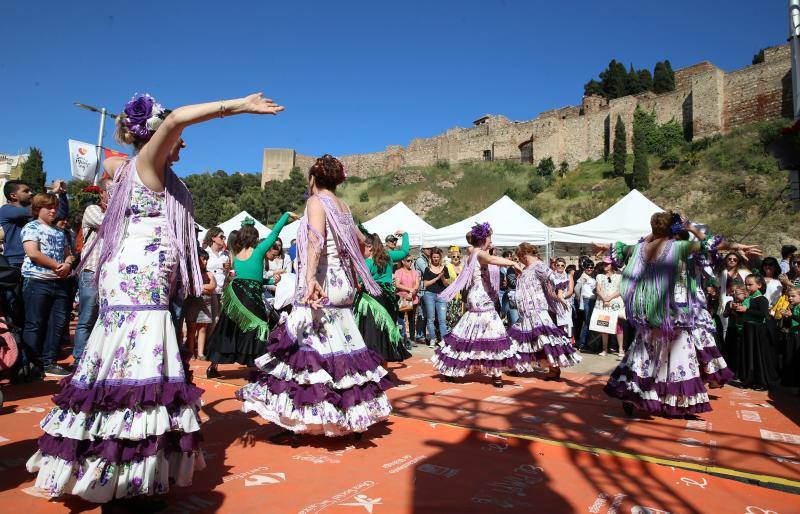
(107, 152)
(82, 159)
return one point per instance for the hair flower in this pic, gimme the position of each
(481, 232)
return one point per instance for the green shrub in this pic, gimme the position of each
(442, 164)
(363, 197)
(546, 167)
(564, 191)
(670, 160)
(355, 180)
(512, 193)
(536, 185)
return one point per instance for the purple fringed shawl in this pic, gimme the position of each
(344, 234)
(463, 280)
(180, 225)
(494, 280)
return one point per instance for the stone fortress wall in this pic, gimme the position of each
(706, 101)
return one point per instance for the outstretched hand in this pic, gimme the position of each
(293, 216)
(750, 251)
(257, 104)
(600, 248)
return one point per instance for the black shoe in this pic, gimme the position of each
(497, 382)
(54, 370)
(213, 372)
(628, 408)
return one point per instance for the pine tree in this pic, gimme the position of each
(645, 80)
(614, 80)
(632, 85)
(640, 178)
(670, 76)
(592, 87)
(660, 81)
(33, 172)
(546, 167)
(620, 155)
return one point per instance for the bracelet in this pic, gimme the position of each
(222, 109)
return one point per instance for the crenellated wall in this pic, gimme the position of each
(706, 101)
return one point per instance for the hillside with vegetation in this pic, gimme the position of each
(729, 182)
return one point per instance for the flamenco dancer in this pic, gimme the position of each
(714, 371)
(660, 374)
(125, 423)
(244, 324)
(317, 376)
(376, 315)
(478, 342)
(539, 339)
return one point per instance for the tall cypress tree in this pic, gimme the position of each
(645, 80)
(614, 80)
(640, 178)
(593, 87)
(33, 171)
(620, 155)
(670, 76)
(632, 85)
(660, 81)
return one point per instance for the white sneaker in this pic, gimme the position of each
(432, 344)
(602, 354)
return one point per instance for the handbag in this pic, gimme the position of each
(604, 320)
(405, 305)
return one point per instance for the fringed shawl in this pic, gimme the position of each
(647, 289)
(463, 280)
(180, 225)
(343, 230)
(493, 287)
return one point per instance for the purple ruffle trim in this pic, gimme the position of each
(119, 450)
(459, 344)
(689, 387)
(654, 406)
(554, 351)
(313, 394)
(721, 376)
(708, 354)
(531, 336)
(449, 362)
(304, 358)
(114, 397)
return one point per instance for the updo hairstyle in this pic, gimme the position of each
(328, 172)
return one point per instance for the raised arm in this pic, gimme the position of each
(402, 252)
(153, 156)
(264, 246)
(485, 258)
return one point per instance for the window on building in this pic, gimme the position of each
(487, 155)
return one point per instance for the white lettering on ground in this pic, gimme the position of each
(781, 437)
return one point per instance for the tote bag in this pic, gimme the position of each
(604, 320)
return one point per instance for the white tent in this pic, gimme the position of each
(289, 232)
(626, 221)
(235, 223)
(400, 217)
(511, 225)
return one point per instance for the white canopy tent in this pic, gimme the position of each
(400, 217)
(235, 223)
(511, 225)
(627, 220)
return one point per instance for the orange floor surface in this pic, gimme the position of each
(533, 446)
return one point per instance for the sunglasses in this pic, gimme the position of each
(733, 259)
(561, 265)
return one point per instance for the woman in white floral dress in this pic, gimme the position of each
(318, 376)
(126, 422)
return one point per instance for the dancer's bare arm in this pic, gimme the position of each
(153, 156)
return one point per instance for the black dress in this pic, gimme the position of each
(756, 365)
(791, 350)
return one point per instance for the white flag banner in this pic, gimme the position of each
(82, 160)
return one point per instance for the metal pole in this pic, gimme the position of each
(100, 144)
(794, 42)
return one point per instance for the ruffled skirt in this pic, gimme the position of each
(126, 422)
(318, 377)
(244, 323)
(713, 368)
(378, 326)
(660, 376)
(539, 339)
(478, 344)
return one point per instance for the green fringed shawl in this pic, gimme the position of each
(383, 320)
(241, 315)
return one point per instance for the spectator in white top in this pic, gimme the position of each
(787, 251)
(278, 263)
(219, 264)
(585, 290)
(88, 310)
(773, 289)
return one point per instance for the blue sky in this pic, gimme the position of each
(354, 76)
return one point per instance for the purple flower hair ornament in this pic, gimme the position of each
(481, 231)
(143, 116)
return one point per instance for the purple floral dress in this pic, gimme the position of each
(318, 376)
(126, 423)
(479, 342)
(538, 337)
